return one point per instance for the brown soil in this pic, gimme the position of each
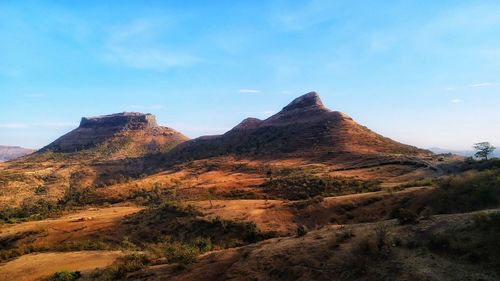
(39, 265)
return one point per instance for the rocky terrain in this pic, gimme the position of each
(13, 152)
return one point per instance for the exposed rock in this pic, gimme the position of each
(130, 129)
(309, 101)
(124, 121)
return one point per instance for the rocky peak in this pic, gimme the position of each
(248, 123)
(308, 101)
(124, 121)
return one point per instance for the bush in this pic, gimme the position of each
(375, 245)
(467, 192)
(64, 276)
(301, 230)
(300, 186)
(120, 269)
(181, 253)
(406, 216)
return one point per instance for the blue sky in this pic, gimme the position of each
(421, 72)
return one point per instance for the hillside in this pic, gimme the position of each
(306, 129)
(13, 152)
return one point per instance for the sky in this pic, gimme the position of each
(426, 73)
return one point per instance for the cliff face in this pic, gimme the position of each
(305, 128)
(121, 121)
(130, 129)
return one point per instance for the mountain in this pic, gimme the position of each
(13, 152)
(127, 134)
(305, 128)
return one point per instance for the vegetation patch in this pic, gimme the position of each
(304, 186)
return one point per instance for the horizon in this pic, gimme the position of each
(424, 74)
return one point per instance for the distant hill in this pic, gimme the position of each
(466, 153)
(13, 152)
(305, 128)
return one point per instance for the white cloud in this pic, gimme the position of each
(249, 91)
(268, 112)
(44, 125)
(58, 124)
(448, 89)
(13, 126)
(456, 101)
(484, 84)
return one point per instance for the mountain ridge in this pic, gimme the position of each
(303, 128)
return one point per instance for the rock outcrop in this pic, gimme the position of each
(127, 130)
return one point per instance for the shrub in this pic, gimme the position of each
(300, 186)
(181, 253)
(203, 244)
(467, 192)
(120, 269)
(64, 276)
(375, 245)
(301, 230)
(406, 216)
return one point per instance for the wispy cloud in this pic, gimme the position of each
(149, 59)
(249, 91)
(57, 124)
(312, 13)
(43, 125)
(456, 101)
(13, 126)
(137, 45)
(268, 112)
(484, 84)
(153, 106)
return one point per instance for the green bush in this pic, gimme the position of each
(181, 253)
(300, 186)
(64, 276)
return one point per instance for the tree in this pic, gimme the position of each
(483, 150)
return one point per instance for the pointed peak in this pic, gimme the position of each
(310, 100)
(248, 123)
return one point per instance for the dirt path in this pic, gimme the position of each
(36, 266)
